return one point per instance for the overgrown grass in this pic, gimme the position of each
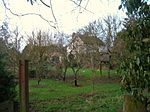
(57, 96)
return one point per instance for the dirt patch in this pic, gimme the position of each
(105, 79)
(39, 86)
(52, 90)
(87, 95)
(79, 85)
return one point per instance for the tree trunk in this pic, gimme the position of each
(100, 68)
(64, 78)
(148, 89)
(64, 74)
(75, 76)
(133, 105)
(109, 73)
(75, 80)
(109, 66)
(39, 80)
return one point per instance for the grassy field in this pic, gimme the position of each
(88, 72)
(58, 96)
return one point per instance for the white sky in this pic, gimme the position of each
(68, 17)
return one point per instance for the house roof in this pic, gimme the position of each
(89, 40)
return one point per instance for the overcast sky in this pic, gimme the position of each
(69, 16)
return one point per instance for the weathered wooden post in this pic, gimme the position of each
(23, 86)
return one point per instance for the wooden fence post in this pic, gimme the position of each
(23, 86)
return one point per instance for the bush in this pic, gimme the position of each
(32, 74)
(7, 82)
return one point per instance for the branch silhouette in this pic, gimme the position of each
(27, 14)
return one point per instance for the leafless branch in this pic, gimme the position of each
(27, 14)
(80, 2)
(50, 6)
(79, 5)
(53, 12)
(86, 4)
(45, 4)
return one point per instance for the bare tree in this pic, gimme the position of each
(4, 36)
(38, 52)
(62, 41)
(15, 49)
(76, 63)
(110, 28)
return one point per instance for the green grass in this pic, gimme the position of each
(57, 96)
(87, 72)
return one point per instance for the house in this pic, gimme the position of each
(84, 44)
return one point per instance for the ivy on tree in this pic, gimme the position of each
(136, 79)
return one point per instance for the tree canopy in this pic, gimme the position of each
(136, 79)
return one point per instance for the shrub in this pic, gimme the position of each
(7, 82)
